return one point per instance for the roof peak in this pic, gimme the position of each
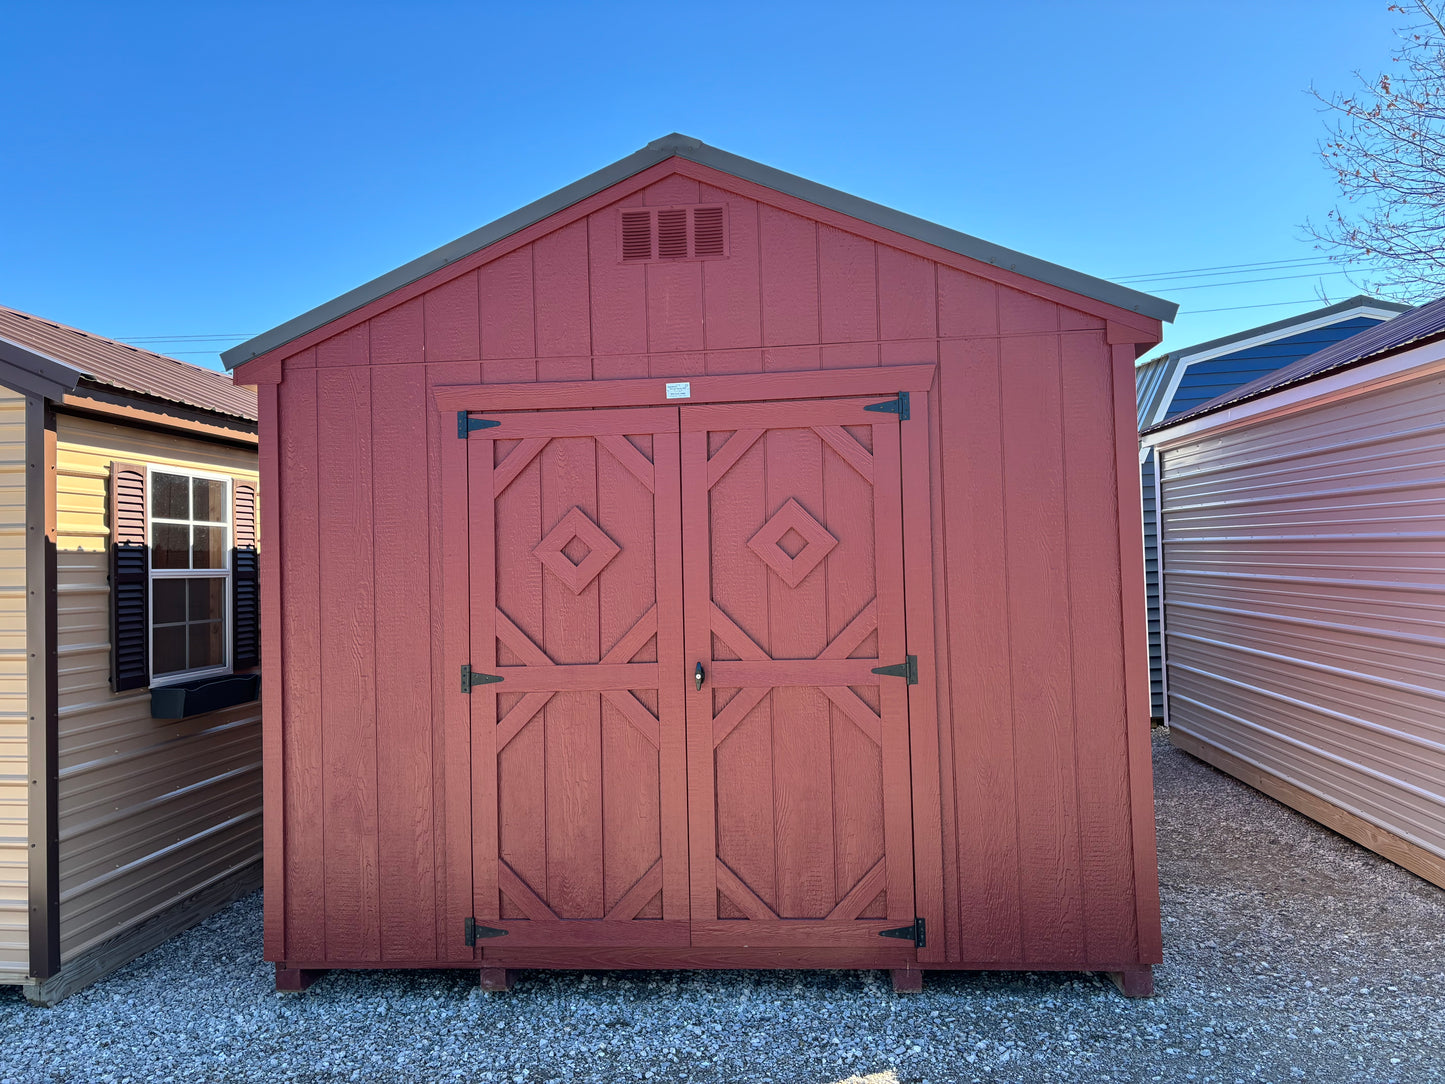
(677, 145)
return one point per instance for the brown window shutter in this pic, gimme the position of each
(130, 560)
(245, 578)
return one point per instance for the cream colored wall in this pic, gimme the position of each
(14, 796)
(150, 811)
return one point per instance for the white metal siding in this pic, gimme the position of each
(150, 811)
(14, 793)
(1305, 601)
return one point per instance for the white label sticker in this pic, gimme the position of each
(679, 391)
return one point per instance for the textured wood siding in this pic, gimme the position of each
(14, 792)
(1305, 597)
(1039, 824)
(150, 811)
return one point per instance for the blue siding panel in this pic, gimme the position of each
(1206, 380)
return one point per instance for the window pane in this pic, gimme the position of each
(210, 500)
(171, 543)
(206, 596)
(207, 551)
(205, 644)
(168, 649)
(168, 601)
(170, 496)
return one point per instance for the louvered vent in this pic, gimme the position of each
(246, 587)
(129, 578)
(637, 235)
(707, 231)
(674, 233)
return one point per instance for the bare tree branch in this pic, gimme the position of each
(1386, 149)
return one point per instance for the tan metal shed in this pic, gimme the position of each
(1303, 538)
(130, 803)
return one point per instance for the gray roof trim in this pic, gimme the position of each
(1356, 302)
(693, 150)
(35, 373)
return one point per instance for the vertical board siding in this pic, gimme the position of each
(14, 789)
(1039, 619)
(347, 674)
(1033, 764)
(405, 799)
(1304, 601)
(151, 811)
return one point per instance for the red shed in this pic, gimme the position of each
(701, 567)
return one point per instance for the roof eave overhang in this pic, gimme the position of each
(693, 150)
(34, 373)
(1407, 362)
(119, 406)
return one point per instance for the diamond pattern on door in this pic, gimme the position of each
(575, 527)
(792, 568)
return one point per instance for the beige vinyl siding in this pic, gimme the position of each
(1304, 583)
(14, 791)
(150, 811)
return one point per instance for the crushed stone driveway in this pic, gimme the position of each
(1290, 954)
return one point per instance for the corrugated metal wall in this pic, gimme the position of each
(1149, 491)
(1305, 601)
(150, 811)
(14, 794)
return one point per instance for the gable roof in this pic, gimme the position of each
(1409, 329)
(1158, 379)
(693, 150)
(64, 358)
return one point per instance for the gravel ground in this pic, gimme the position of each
(1291, 954)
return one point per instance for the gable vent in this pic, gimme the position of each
(707, 231)
(674, 233)
(637, 235)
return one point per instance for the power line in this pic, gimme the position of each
(1229, 275)
(1242, 267)
(1236, 308)
(1247, 282)
(180, 338)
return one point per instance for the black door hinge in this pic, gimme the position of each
(917, 933)
(472, 929)
(470, 677)
(897, 406)
(908, 668)
(466, 423)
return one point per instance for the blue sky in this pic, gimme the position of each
(184, 176)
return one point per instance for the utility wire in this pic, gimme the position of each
(1240, 267)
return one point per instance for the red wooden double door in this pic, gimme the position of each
(689, 744)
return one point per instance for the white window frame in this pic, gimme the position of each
(226, 573)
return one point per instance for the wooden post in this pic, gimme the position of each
(296, 979)
(907, 980)
(1135, 982)
(497, 978)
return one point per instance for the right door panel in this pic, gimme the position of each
(799, 800)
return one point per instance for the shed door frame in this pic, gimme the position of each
(918, 531)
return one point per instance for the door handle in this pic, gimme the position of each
(699, 676)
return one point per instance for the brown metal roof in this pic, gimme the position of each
(112, 364)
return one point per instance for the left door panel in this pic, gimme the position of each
(579, 799)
